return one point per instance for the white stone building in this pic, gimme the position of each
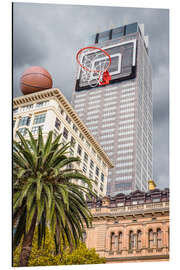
(50, 110)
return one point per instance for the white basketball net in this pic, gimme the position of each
(94, 63)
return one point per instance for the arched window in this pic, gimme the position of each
(131, 240)
(150, 238)
(120, 241)
(139, 239)
(112, 246)
(159, 238)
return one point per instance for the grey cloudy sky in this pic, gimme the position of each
(50, 35)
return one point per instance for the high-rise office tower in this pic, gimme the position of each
(119, 114)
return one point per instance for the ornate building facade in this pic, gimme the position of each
(50, 111)
(132, 227)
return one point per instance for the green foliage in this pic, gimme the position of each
(82, 255)
(44, 193)
(46, 254)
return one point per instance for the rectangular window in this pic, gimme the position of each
(96, 181)
(91, 164)
(84, 167)
(106, 142)
(68, 119)
(40, 118)
(118, 32)
(90, 174)
(15, 110)
(101, 187)
(108, 148)
(81, 136)
(61, 110)
(75, 128)
(73, 142)
(65, 133)
(97, 171)
(71, 152)
(27, 108)
(63, 142)
(35, 129)
(104, 36)
(102, 177)
(131, 28)
(55, 133)
(24, 121)
(79, 150)
(57, 123)
(42, 104)
(88, 144)
(85, 157)
(23, 131)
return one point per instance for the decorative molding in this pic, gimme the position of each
(54, 92)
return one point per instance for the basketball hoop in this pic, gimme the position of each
(94, 63)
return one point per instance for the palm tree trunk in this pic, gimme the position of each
(27, 244)
(58, 242)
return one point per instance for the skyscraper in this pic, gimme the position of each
(119, 114)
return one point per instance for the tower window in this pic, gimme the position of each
(150, 238)
(120, 241)
(112, 243)
(159, 238)
(131, 28)
(104, 36)
(36, 129)
(97, 171)
(91, 164)
(68, 119)
(23, 131)
(131, 240)
(85, 157)
(73, 142)
(79, 150)
(118, 32)
(102, 177)
(15, 110)
(40, 118)
(84, 167)
(81, 136)
(42, 104)
(24, 121)
(65, 133)
(57, 123)
(75, 128)
(139, 235)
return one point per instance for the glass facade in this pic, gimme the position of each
(118, 32)
(104, 36)
(131, 28)
(115, 33)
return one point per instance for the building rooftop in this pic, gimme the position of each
(134, 198)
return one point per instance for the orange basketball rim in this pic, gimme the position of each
(104, 77)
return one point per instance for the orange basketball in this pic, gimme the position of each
(35, 79)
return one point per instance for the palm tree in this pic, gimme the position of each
(44, 194)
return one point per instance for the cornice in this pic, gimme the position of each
(55, 92)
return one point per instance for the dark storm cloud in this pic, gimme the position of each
(49, 35)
